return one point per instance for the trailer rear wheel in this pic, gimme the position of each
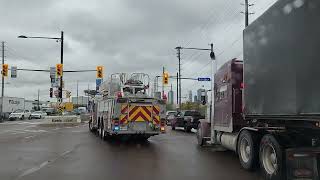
(271, 158)
(248, 150)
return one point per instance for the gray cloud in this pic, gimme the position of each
(122, 35)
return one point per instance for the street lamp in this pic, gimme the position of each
(61, 55)
(212, 56)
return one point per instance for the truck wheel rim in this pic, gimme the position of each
(269, 159)
(245, 150)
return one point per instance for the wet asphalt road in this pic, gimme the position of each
(30, 152)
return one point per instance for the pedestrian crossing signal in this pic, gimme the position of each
(165, 78)
(5, 70)
(99, 72)
(59, 70)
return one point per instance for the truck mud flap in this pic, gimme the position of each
(303, 163)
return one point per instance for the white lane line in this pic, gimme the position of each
(37, 168)
(29, 137)
(34, 169)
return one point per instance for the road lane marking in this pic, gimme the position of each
(30, 137)
(34, 169)
(42, 165)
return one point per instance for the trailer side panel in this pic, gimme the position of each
(281, 60)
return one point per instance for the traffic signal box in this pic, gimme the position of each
(165, 79)
(5, 70)
(99, 72)
(51, 92)
(59, 70)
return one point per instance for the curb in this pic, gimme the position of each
(60, 124)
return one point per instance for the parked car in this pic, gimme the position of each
(187, 119)
(49, 111)
(38, 114)
(20, 114)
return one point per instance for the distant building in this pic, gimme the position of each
(195, 98)
(190, 96)
(202, 93)
(80, 101)
(170, 97)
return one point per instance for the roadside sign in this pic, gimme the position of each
(52, 72)
(56, 93)
(13, 71)
(55, 82)
(98, 83)
(204, 79)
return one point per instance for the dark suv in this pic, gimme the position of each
(187, 119)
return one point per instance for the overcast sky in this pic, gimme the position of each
(121, 35)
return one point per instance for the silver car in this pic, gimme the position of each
(38, 115)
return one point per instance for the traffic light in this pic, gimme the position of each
(59, 70)
(51, 92)
(99, 72)
(68, 94)
(5, 70)
(165, 80)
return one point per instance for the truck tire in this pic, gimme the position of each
(91, 129)
(101, 132)
(248, 150)
(199, 134)
(271, 158)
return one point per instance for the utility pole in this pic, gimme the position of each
(78, 92)
(2, 87)
(38, 99)
(177, 88)
(246, 4)
(246, 12)
(179, 77)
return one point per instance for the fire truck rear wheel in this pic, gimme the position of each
(101, 131)
(91, 129)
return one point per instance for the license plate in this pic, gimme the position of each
(139, 126)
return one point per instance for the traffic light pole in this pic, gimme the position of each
(61, 79)
(2, 87)
(163, 82)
